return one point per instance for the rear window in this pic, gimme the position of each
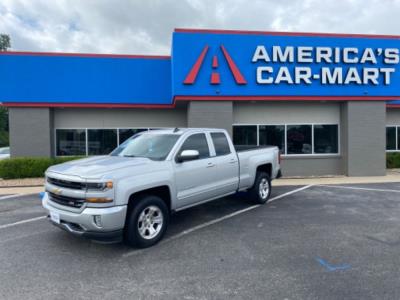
(221, 143)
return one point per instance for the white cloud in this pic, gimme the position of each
(145, 27)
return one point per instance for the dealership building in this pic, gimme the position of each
(328, 101)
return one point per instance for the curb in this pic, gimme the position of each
(19, 186)
(8, 197)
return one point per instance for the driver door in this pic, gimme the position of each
(195, 179)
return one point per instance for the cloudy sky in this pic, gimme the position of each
(145, 26)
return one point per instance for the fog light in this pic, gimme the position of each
(97, 221)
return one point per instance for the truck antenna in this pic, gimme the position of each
(176, 129)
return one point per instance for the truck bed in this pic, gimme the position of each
(252, 156)
(242, 148)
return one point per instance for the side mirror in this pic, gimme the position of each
(187, 155)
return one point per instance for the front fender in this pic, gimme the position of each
(137, 183)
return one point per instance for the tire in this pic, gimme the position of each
(261, 190)
(147, 222)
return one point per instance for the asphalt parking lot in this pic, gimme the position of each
(310, 242)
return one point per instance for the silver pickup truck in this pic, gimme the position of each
(130, 194)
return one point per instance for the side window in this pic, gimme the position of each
(197, 142)
(221, 143)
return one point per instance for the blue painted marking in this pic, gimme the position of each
(41, 195)
(330, 267)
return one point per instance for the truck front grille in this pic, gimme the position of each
(67, 201)
(66, 183)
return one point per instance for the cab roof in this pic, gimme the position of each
(180, 131)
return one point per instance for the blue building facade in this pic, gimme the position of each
(325, 100)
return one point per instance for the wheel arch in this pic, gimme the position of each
(267, 168)
(162, 191)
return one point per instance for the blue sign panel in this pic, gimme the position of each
(80, 79)
(274, 65)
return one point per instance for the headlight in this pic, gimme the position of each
(99, 186)
(99, 200)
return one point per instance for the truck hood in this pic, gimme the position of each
(100, 166)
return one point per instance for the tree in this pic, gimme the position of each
(5, 42)
(4, 136)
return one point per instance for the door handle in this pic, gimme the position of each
(210, 165)
(233, 161)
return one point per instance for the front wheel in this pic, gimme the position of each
(147, 222)
(261, 189)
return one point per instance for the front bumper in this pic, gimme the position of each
(83, 224)
(105, 237)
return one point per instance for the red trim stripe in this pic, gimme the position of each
(232, 66)
(203, 98)
(20, 53)
(285, 33)
(87, 105)
(284, 98)
(191, 77)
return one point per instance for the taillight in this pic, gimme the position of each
(280, 157)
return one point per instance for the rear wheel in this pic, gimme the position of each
(261, 190)
(147, 222)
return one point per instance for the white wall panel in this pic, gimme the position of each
(119, 118)
(289, 112)
(393, 116)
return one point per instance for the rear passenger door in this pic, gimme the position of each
(227, 163)
(195, 179)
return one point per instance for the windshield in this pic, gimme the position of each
(153, 146)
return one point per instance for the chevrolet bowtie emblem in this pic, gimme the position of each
(57, 191)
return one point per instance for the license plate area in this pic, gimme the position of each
(55, 217)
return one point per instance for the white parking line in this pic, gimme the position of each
(198, 227)
(358, 188)
(291, 192)
(22, 222)
(10, 196)
(209, 223)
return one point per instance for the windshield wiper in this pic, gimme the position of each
(151, 158)
(134, 156)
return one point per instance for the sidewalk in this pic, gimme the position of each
(392, 175)
(21, 186)
(21, 190)
(35, 185)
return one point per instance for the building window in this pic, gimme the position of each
(221, 143)
(70, 142)
(391, 138)
(326, 139)
(101, 141)
(273, 135)
(291, 139)
(245, 135)
(299, 139)
(398, 138)
(125, 134)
